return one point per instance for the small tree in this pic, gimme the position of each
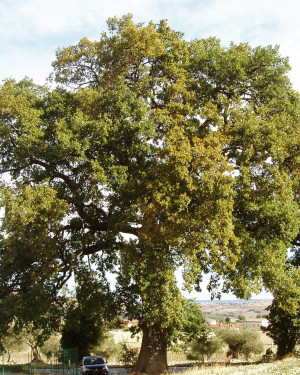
(129, 355)
(34, 343)
(205, 346)
(253, 344)
(245, 341)
(17, 340)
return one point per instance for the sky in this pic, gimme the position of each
(32, 30)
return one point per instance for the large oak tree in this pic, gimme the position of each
(151, 154)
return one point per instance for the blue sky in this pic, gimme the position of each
(32, 30)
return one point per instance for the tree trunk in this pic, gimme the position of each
(152, 358)
(10, 357)
(36, 354)
(235, 354)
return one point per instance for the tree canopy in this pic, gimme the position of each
(151, 153)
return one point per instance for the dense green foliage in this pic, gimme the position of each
(284, 326)
(194, 324)
(153, 153)
(128, 355)
(86, 316)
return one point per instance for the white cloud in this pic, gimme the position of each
(27, 20)
(31, 30)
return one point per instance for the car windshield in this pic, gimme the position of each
(93, 361)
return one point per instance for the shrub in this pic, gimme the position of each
(269, 356)
(246, 341)
(297, 352)
(206, 346)
(129, 355)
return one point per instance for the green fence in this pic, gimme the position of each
(2, 355)
(59, 362)
(64, 361)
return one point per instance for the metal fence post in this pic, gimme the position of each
(2, 354)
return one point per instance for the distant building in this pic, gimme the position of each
(126, 323)
(256, 323)
(210, 321)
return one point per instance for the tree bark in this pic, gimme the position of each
(152, 358)
(36, 354)
(10, 357)
(235, 354)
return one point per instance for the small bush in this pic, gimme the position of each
(129, 355)
(297, 352)
(269, 356)
(206, 346)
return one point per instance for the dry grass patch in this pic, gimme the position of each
(289, 366)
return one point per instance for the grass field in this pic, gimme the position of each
(289, 366)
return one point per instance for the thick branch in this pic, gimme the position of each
(93, 249)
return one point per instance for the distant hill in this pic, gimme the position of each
(234, 308)
(232, 301)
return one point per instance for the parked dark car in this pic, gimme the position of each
(93, 366)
